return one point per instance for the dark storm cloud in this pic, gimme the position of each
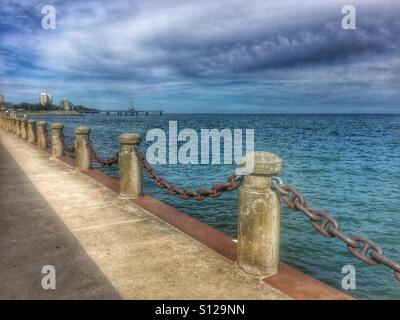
(283, 46)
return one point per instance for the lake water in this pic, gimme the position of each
(348, 165)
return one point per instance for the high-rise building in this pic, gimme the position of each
(66, 105)
(2, 98)
(45, 98)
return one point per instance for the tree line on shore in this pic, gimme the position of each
(39, 107)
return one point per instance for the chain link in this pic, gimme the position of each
(46, 137)
(360, 247)
(98, 159)
(215, 191)
(70, 148)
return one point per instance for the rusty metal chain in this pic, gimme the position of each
(215, 191)
(70, 148)
(360, 247)
(46, 137)
(105, 162)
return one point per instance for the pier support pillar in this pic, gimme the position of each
(259, 213)
(83, 159)
(41, 132)
(57, 148)
(24, 133)
(31, 131)
(130, 172)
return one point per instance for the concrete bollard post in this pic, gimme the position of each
(24, 133)
(83, 159)
(259, 217)
(18, 126)
(14, 125)
(56, 140)
(41, 135)
(32, 131)
(130, 173)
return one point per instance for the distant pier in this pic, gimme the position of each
(132, 112)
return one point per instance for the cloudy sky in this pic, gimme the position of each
(205, 56)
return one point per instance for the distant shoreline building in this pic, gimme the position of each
(66, 105)
(45, 99)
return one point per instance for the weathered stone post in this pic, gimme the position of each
(83, 159)
(56, 140)
(24, 133)
(259, 217)
(130, 173)
(41, 139)
(15, 125)
(32, 131)
(18, 126)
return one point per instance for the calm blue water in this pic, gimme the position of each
(348, 165)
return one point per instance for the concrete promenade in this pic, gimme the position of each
(102, 247)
